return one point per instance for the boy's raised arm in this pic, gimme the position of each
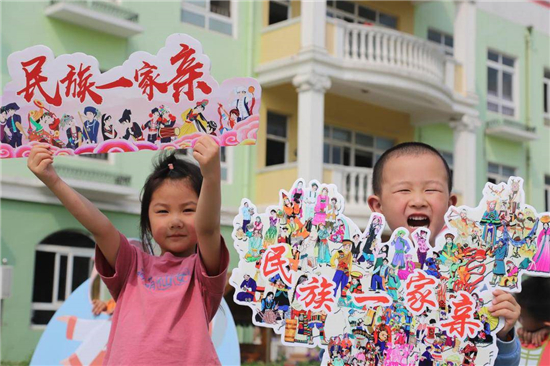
(105, 234)
(207, 219)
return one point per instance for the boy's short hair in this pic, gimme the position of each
(406, 148)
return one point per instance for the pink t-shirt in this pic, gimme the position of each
(164, 306)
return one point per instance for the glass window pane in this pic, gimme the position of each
(349, 20)
(547, 179)
(364, 140)
(507, 111)
(336, 155)
(43, 277)
(449, 41)
(367, 13)
(220, 26)
(494, 168)
(493, 107)
(434, 36)
(330, 3)
(492, 81)
(388, 20)
(363, 159)
(81, 271)
(492, 56)
(507, 86)
(547, 74)
(341, 135)
(492, 180)
(277, 12)
(192, 18)
(326, 132)
(383, 144)
(223, 172)
(62, 278)
(42, 317)
(222, 7)
(346, 6)
(326, 153)
(223, 154)
(276, 124)
(347, 156)
(275, 153)
(508, 61)
(507, 171)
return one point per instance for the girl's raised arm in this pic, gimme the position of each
(207, 219)
(105, 234)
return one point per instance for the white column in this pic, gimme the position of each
(313, 24)
(465, 159)
(311, 88)
(465, 42)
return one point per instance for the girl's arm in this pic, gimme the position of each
(207, 219)
(105, 234)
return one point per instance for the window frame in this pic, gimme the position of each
(70, 253)
(353, 145)
(546, 84)
(498, 99)
(277, 138)
(547, 192)
(449, 51)
(333, 12)
(208, 14)
(499, 177)
(227, 164)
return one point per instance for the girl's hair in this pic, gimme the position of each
(534, 298)
(167, 166)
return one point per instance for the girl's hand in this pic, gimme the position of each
(40, 163)
(207, 152)
(506, 306)
(98, 306)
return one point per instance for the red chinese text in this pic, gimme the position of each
(147, 79)
(275, 263)
(187, 72)
(78, 84)
(462, 323)
(34, 79)
(317, 294)
(420, 293)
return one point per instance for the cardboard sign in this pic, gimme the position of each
(308, 272)
(151, 102)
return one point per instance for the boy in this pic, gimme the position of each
(412, 186)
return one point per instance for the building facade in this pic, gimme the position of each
(341, 80)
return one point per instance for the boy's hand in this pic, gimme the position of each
(98, 306)
(505, 305)
(207, 152)
(40, 163)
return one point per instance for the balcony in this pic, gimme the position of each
(511, 130)
(397, 70)
(102, 16)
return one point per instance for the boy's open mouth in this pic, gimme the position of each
(418, 221)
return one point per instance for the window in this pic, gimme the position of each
(546, 96)
(547, 193)
(449, 158)
(279, 11)
(210, 14)
(95, 156)
(276, 151)
(63, 261)
(354, 13)
(225, 157)
(350, 148)
(499, 173)
(445, 40)
(500, 83)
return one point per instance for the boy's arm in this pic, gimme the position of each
(105, 234)
(207, 219)
(509, 350)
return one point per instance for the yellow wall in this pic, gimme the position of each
(329, 38)
(280, 43)
(367, 118)
(269, 183)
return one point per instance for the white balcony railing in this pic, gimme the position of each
(393, 51)
(354, 183)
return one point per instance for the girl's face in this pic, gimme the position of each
(172, 217)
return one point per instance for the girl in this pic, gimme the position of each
(164, 303)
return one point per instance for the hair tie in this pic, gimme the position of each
(171, 166)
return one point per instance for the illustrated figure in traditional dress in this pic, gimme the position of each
(248, 287)
(320, 207)
(490, 222)
(402, 247)
(541, 259)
